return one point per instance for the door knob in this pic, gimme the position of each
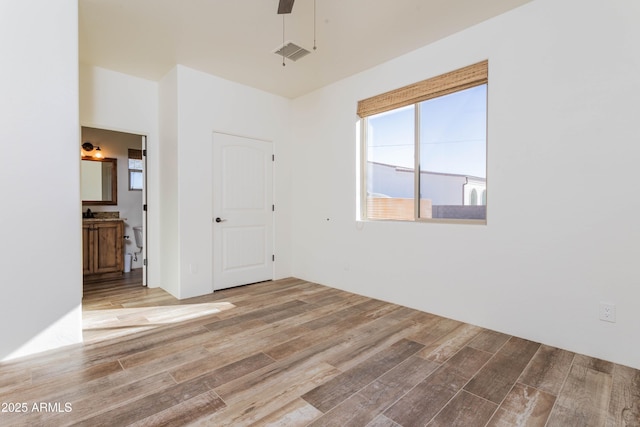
(218, 219)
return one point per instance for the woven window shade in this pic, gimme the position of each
(454, 81)
(135, 154)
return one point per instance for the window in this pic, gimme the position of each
(136, 176)
(424, 149)
(474, 197)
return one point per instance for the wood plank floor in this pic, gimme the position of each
(295, 353)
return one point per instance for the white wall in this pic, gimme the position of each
(207, 104)
(168, 167)
(116, 101)
(563, 110)
(40, 229)
(186, 107)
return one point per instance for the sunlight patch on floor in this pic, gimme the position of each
(117, 322)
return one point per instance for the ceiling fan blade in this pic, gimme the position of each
(285, 6)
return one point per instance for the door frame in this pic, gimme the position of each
(273, 200)
(145, 185)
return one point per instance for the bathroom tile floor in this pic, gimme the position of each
(295, 353)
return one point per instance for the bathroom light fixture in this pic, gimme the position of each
(89, 147)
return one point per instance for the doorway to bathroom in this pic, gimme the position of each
(113, 198)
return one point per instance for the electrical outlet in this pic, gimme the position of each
(608, 312)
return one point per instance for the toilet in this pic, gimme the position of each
(137, 234)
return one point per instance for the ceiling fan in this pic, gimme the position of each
(285, 6)
(291, 50)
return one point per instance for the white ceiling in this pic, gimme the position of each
(235, 39)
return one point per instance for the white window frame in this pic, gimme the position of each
(364, 166)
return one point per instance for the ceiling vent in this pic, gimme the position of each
(292, 51)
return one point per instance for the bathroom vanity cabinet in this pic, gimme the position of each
(102, 255)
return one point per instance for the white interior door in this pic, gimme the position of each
(242, 210)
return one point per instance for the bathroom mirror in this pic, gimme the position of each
(99, 181)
